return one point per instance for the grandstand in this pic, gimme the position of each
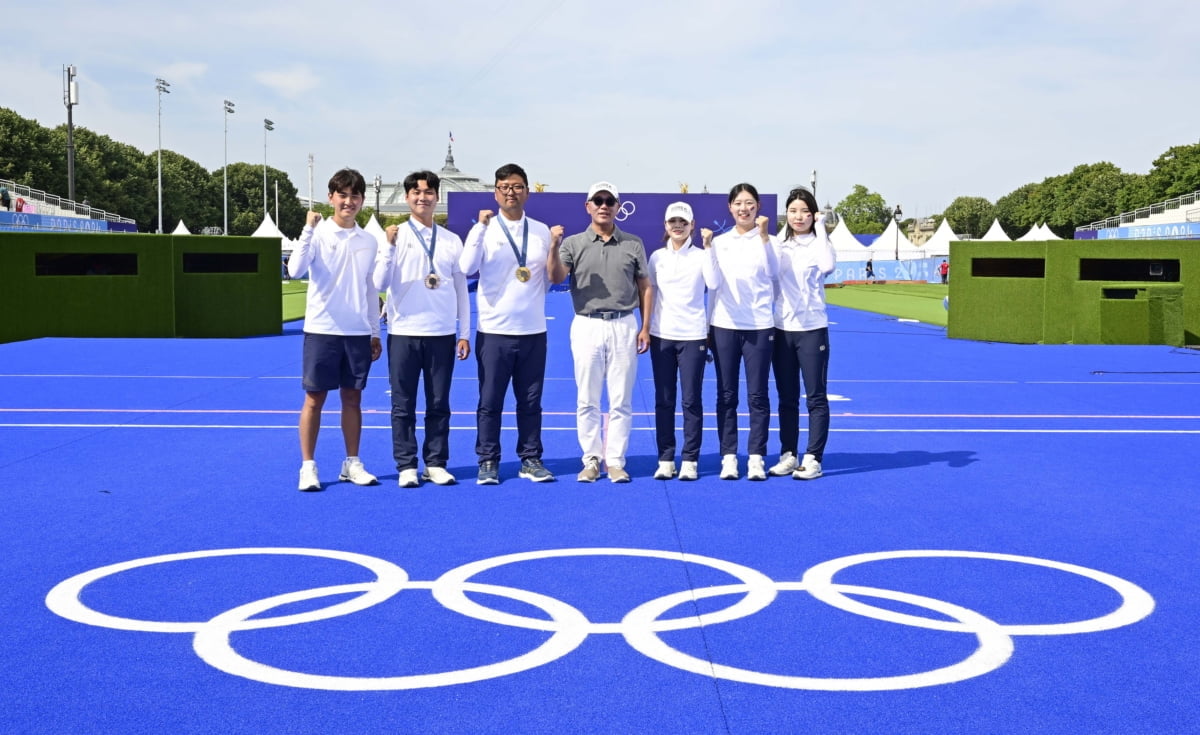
(53, 212)
(1173, 219)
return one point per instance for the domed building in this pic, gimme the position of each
(391, 196)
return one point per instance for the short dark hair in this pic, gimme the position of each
(429, 177)
(739, 188)
(350, 179)
(511, 169)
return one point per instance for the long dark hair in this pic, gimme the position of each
(801, 194)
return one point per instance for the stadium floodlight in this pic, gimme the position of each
(161, 85)
(267, 126)
(225, 195)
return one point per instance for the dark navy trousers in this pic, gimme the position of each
(411, 359)
(683, 358)
(732, 348)
(802, 354)
(520, 360)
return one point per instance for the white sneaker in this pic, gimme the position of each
(353, 470)
(408, 478)
(439, 476)
(809, 469)
(786, 465)
(308, 478)
(755, 469)
(688, 470)
(729, 468)
(665, 471)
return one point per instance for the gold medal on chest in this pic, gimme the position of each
(523, 274)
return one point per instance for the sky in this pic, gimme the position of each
(920, 101)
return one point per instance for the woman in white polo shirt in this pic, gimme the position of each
(679, 275)
(805, 258)
(743, 329)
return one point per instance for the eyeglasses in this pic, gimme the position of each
(510, 188)
(604, 201)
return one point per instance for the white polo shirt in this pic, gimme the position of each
(679, 279)
(341, 299)
(745, 298)
(804, 262)
(505, 304)
(413, 309)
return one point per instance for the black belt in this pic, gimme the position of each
(608, 315)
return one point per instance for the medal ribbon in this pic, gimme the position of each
(524, 251)
(432, 242)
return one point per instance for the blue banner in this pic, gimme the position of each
(40, 222)
(1173, 231)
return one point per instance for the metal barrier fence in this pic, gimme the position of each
(78, 209)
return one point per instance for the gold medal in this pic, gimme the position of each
(432, 281)
(523, 274)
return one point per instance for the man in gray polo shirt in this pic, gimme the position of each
(609, 279)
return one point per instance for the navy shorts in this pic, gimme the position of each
(333, 361)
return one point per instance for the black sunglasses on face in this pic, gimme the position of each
(604, 201)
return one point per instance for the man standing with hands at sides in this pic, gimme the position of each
(609, 279)
(341, 323)
(509, 254)
(429, 323)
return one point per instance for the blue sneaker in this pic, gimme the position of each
(532, 469)
(489, 473)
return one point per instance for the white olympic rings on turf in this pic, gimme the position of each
(569, 627)
(625, 211)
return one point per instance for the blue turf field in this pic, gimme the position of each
(1004, 542)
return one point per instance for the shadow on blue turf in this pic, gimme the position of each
(845, 463)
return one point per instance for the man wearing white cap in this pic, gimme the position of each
(609, 279)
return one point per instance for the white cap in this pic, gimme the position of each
(600, 186)
(679, 209)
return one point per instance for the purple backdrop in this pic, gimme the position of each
(641, 214)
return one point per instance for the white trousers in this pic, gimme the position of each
(605, 353)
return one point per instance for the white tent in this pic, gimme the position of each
(1035, 233)
(181, 229)
(374, 228)
(938, 246)
(846, 245)
(996, 233)
(268, 229)
(1048, 234)
(892, 243)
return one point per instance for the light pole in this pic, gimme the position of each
(70, 99)
(814, 184)
(378, 185)
(897, 215)
(161, 86)
(310, 182)
(225, 195)
(267, 125)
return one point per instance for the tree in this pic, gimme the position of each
(116, 177)
(26, 152)
(1014, 209)
(189, 193)
(970, 216)
(246, 199)
(1175, 172)
(864, 212)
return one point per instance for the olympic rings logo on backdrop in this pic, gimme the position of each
(625, 211)
(569, 627)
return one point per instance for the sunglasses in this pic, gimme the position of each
(604, 201)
